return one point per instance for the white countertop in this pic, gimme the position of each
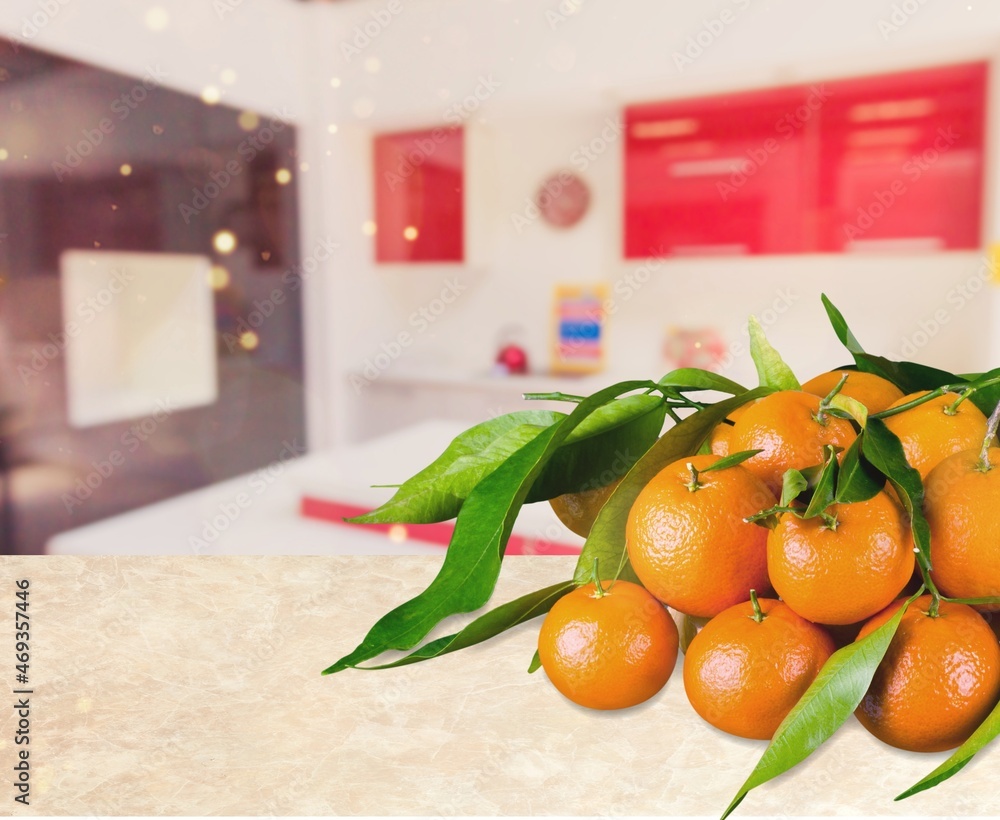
(212, 521)
(191, 686)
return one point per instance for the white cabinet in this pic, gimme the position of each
(396, 400)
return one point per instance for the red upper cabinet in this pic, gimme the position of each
(893, 161)
(419, 194)
(715, 175)
(901, 161)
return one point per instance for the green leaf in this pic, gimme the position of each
(850, 408)
(987, 397)
(885, 452)
(859, 480)
(824, 492)
(812, 474)
(847, 338)
(693, 378)
(907, 376)
(793, 484)
(536, 663)
(986, 732)
(706, 448)
(606, 541)
(606, 444)
(602, 449)
(437, 492)
(472, 563)
(731, 460)
(771, 368)
(826, 704)
(488, 626)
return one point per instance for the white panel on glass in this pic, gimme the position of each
(140, 332)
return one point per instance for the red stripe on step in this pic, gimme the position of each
(335, 512)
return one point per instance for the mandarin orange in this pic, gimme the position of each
(874, 392)
(578, 511)
(722, 433)
(938, 681)
(961, 495)
(608, 649)
(745, 670)
(688, 541)
(843, 567)
(791, 433)
(932, 431)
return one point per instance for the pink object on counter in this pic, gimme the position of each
(335, 512)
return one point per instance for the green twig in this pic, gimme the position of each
(830, 522)
(824, 405)
(991, 434)
(597, 581)
(972, 601)
(771, 511)
(933, 394)
(672, 394)
(952, 408)
(621, 566)
(693, 485)
(552, 397)
(924, 565)
(965, 389)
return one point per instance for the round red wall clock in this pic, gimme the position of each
(563, 199)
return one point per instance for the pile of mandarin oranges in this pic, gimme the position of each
(769, 595)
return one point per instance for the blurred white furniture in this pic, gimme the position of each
(259, 513)
(429, 393)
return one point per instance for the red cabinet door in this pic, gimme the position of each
(718, 175)
(419, 194)
(887, 162)
(901, 161)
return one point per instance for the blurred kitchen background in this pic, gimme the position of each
(258, 256)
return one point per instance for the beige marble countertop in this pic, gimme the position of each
(192, 686)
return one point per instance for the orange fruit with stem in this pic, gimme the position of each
(960, 499)
(874, 392)
(608, 648)
(578, 511)
(938, 681)
(936, 429)
(845, 565)
(790, 428)
(687, 538)
(747, 668)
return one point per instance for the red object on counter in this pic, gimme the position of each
(335, 512)
(514, 359)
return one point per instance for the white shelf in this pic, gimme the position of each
(532, 383)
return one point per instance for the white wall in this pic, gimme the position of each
(559, 82)
(609, 52)
(260, 40)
